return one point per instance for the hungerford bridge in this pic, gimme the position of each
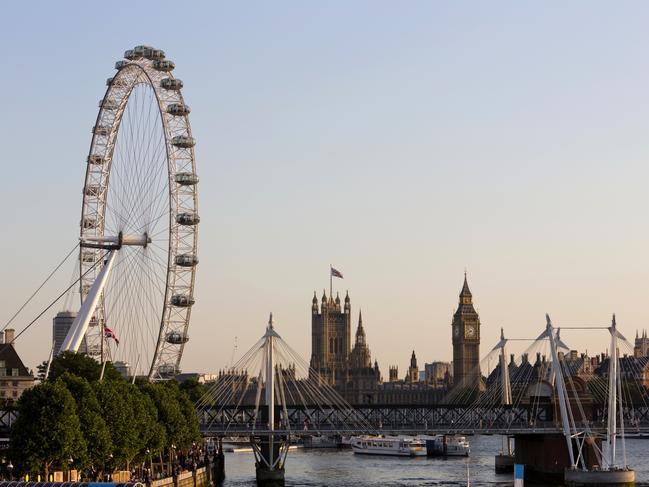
(286, 399)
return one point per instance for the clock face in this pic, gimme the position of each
(470, 331)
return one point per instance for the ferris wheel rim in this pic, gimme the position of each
(142, 72)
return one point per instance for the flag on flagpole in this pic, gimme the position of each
(336, 273)
(108, 333)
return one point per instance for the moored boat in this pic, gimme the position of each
(447, 446)
(388, 445)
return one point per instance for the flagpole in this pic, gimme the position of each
(331, 281)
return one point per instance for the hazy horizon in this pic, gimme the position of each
(400, 143)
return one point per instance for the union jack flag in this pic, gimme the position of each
(108, 333)
(336, 273)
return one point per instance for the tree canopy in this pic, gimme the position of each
(47, 433)
(101, 425)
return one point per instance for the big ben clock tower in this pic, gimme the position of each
(466, 341)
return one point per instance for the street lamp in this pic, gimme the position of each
(10, 468)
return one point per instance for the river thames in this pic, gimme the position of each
(338, 468)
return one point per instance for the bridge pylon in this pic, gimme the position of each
(270, 450)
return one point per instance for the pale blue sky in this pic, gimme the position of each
(399, 141)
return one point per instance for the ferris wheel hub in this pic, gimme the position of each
(110, 242)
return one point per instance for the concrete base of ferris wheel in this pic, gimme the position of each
(587, 478)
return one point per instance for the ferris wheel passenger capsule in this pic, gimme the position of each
(130, 54)
(186, 178)
(89, 222)
(176, 338)
(88, 256)
(183, 141)
(101, 130)
(178, 109)
(167, 370)
(154, 54)
(182, 300)
(186, 260)
(140, 50)
(116, 81)
(108, 104)
(171, 84)
(187, 218)
(163, 65)
(120, 64)
(95, 159)
(92, 190)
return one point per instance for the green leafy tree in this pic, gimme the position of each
(152, 434)
(191, 432)
(82, 366)
(41, 368)
(93, 427)
(47, 432)
(194, 389)
(118, 413)
(170, 414)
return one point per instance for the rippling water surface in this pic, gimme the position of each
(334, 468)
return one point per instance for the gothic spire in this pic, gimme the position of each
(466, 292)
(360, 332)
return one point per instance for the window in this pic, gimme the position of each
(14, 372)
(2, 364)
(14, 393)
(15, 383)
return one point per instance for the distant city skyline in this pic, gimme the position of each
(401, 144)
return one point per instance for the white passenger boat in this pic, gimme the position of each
(388, 445)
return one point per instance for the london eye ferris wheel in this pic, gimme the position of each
(139, 220)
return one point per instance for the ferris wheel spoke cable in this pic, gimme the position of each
(149, 221)
(144, 163)
(150, 288)
(157, 204)
(147, 272)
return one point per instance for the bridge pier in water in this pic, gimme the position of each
(269, 460)
(219, 464)
(546, 457)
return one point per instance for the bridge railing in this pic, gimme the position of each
(376, 418)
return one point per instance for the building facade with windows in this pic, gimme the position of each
(14, 376)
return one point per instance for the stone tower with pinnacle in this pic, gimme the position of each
(465, 330)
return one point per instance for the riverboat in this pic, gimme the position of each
(388, 445)
(447, 446)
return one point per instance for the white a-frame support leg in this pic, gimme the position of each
(80, 324)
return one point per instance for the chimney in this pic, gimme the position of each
(10, 333)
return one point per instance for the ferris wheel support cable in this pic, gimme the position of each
(52, 304)
(39, 288)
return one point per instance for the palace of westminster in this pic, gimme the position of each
(348, 367)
